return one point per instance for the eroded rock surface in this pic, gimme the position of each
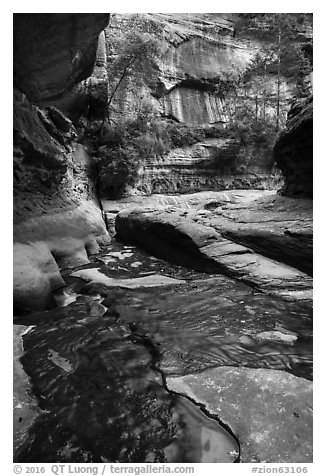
(106, 340)
(50, 242)
(277, 227)
(197, 239)
(57, 217)
(269, 411)
(201, 57)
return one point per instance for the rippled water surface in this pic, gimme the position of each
(98, 362)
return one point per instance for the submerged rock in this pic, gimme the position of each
(269, 411)
(95, 276)
(26, 409)
(36, 276)
(276, 336)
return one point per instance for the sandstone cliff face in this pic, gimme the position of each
(293, 150)
(197, 52)
(201, 57)
(214, 164)
(57, 219)
(58, 116)
(190, 70)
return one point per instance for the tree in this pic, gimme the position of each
(133, 65)
(286, 38)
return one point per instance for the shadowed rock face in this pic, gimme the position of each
(293, 150)
(57, 219)
(53, 52)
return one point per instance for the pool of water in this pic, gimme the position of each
(98, 361)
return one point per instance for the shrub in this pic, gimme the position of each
(124, 147)
(118, 168)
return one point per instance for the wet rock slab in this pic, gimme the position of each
(269, 411)
(279, 228)
(177, 237)
(101, 344)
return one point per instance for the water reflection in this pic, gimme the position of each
(95, 362)
(102, 401)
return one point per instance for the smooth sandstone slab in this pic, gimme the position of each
(45, 244)
(269, 411)
(95, 276)
(179, 239)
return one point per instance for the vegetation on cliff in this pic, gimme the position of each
(255, 102)
(125, 146)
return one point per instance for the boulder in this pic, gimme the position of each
(211, 164)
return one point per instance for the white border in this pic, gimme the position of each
(316, 7)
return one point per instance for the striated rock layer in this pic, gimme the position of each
(201, 60)
(54, 51)
(277, 227)
(178, 236)
(213, 164)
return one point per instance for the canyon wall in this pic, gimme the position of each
(214, 164)
(53, 52)
(57, 217)
(64, 81)
(202, 57)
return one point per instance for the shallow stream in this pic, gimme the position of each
(98, 361)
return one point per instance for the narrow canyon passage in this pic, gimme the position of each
(99, 362)
(163, 237)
